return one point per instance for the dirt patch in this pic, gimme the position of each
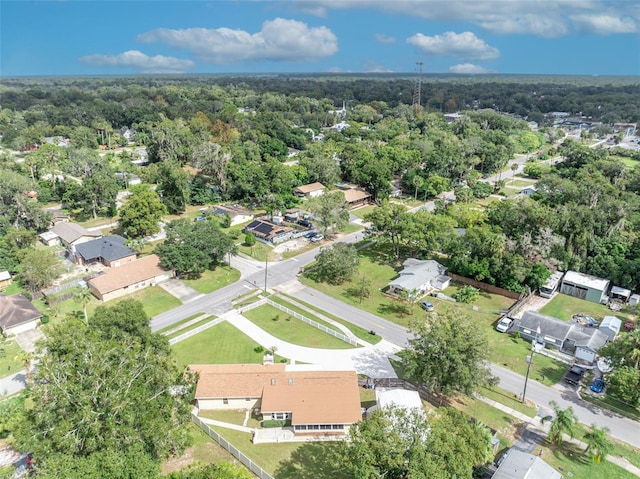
(292, 245)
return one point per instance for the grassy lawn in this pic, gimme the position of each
(231, 416)
(260, 251)
(519, 183)
(220, 344)
(212, 280)
(179, 323)
(506, 426)
(501, 396)
(292, 330)
(203, 449)
(628, 161)
(612, 404)
(155, 300)
(570, 458)
(301, 311)
(288, 460)
(357, 330)
(8, 362)
(562, 306)
(360, 212)
(192, 326)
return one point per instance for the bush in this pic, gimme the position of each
(275, 423)
(258, 349)
(466, 294)
(44, 319)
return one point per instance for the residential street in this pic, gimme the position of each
(282, 276)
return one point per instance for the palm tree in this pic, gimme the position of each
(417, 182)
(83, 295)
(562, 422)
(598, 443)
(25, 357)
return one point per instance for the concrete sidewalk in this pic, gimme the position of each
(371, 360)
(542, 430)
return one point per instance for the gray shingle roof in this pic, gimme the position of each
(70, 232)
(16, 309)
(110, 248)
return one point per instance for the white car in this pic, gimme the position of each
(504, 324)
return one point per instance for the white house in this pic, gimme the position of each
(419, 276)
(312, 190)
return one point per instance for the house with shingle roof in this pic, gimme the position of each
(419, 277)
(110, 251)
(129, 278)
(313, 402)
(237, 213)
(312, 190)
(569, 337)
(268, 231)
(72, 234)
(17, 314)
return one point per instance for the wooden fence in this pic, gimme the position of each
(489, 288)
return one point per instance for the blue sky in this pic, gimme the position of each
(593, 37)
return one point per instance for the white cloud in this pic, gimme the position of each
(463, 45)
(546, 18)
(279, 40)
(605, 24)
(468, 68)
(140, 62)
(382, 38)
(376, 67)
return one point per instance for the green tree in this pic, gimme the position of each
(83, 296)
(105, 390)
(38, 268)
(141, 214)
(250, 241)
(449, 355)
(624, 383)
(624, 351)
(193, 247)
(220, 470)
(173, 187)
(389, 222)
(26, 358)
(466, 294)
(417, 183)
(337, 263)
(397, 443)
(330, 210)
(562, 422)
(598, 443)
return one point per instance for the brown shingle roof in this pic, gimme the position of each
(70, 232)
(129, 273)
(304, 189)
(355, 194)
(313, 397)
(16, 309)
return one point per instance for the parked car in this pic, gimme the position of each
(574, 375)
(582, 318)
(200, 218)
(315, 238)
(427, 306)
(504, 324)
(311, 234)
(597, 386)
(305, 223)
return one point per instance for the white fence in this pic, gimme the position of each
(194, 331)
(313, 323)
(235, 452)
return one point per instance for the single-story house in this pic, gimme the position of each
(128, 134)
(313, 402)
(569, 337)
(72, 234)
(5, 279)
(237, 213)
(420, 276)
(528, 190)
(129, 278)
(396, 397)
(269, 231)
(49, 238)
(58, 217)
(610, 326)
(521, 465)
(312, 190)
(17, 314)
(110, 251)
(585, 286)
(355, 197)
(58, 141)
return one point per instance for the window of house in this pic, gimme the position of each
(225, 401)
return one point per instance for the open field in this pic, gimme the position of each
(287, 328)
(361, 212)
(212, 280)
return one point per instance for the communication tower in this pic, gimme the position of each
(417, 90)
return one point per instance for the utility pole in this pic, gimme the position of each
(534, 345)
(266, 264)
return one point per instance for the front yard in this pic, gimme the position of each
(211, 280)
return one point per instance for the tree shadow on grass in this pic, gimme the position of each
(394, 308)
(569, 453)
(313, 460)
(380, 255)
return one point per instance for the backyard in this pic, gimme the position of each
(563, 306)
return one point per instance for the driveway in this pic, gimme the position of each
(178, 289)
(27, 340)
